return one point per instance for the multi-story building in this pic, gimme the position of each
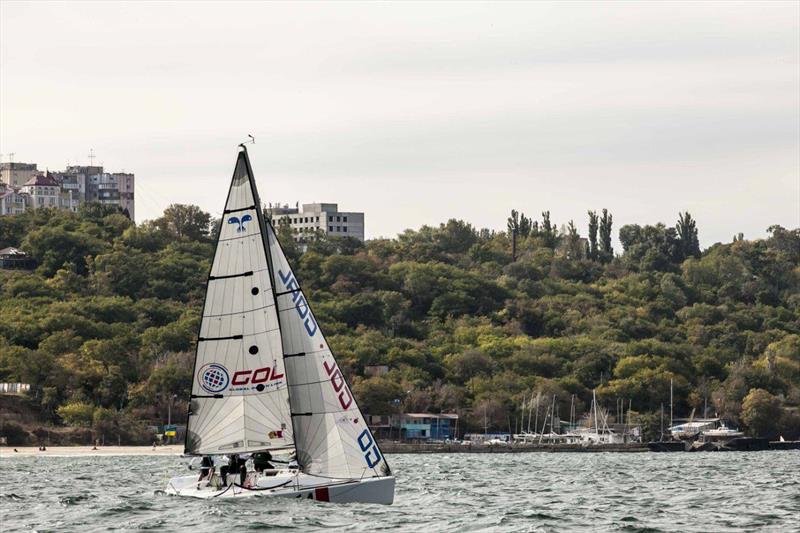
(12, 202)
(66, 189)
(325, 218)
(43, 191)
(16, 174)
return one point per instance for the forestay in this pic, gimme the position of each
(331, 436)
(239, 391)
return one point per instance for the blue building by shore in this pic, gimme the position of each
(428, 426)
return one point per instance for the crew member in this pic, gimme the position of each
(206, 470)
(261, 462)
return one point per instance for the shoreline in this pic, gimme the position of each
(87, 451)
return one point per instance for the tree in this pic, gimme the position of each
(574, 250)
(687, 236)
(650, 248)
(377, 395)
(286, 238)
(606, 252)
(520, 223)
(593, 250)
(57, 247)
(76, 413)
(185, 221)
(548, 231)
(761, 413)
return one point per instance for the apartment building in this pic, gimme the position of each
(66, 189)
(16, 174)
(308, 219)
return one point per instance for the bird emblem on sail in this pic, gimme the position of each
(236, 220)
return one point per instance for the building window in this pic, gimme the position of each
(330, 228)
(338, 219)
(344, 219)
(317, 219)
(338, 228)
(330, 219)
(344, 229)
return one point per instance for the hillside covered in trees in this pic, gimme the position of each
(104, 328)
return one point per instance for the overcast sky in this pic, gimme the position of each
(415, 112)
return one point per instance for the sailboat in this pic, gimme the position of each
(265, 379)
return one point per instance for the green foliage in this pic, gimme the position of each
(77, 413)
(105, 328)
(760, 411)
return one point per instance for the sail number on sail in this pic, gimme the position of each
(300, 303)
(366, 442)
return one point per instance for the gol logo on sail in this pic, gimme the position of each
(213, 377)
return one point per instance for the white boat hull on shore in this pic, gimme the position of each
(289, 484)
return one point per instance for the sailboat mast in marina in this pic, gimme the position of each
(265, 379)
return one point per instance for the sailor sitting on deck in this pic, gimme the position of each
(261, 462)
(235, 465)
(206, 470)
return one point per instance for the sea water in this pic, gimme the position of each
(755, 491)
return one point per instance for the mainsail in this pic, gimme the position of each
(239, 399)
(331, 436)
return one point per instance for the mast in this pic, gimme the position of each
(670, 404)
(263, 226)
(594, 405)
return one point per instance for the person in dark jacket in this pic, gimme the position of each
(235, 465)
(206, 470)
(261, 462)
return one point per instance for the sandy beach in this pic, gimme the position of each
(78, 451)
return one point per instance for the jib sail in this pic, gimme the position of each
(331, 436)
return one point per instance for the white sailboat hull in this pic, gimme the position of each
(290, 485)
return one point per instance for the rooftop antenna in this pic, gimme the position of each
(91, 157)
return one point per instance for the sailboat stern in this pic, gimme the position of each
(378, 490)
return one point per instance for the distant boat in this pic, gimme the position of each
(265, 379)
(722, 432)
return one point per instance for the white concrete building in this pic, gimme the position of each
(43, 191)
(12, 202)
(16, 174)
(325, 218)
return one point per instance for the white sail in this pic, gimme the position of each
(331, 436)
(239, 392)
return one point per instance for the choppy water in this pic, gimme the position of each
(757, 491)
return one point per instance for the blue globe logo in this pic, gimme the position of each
(213, 377)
